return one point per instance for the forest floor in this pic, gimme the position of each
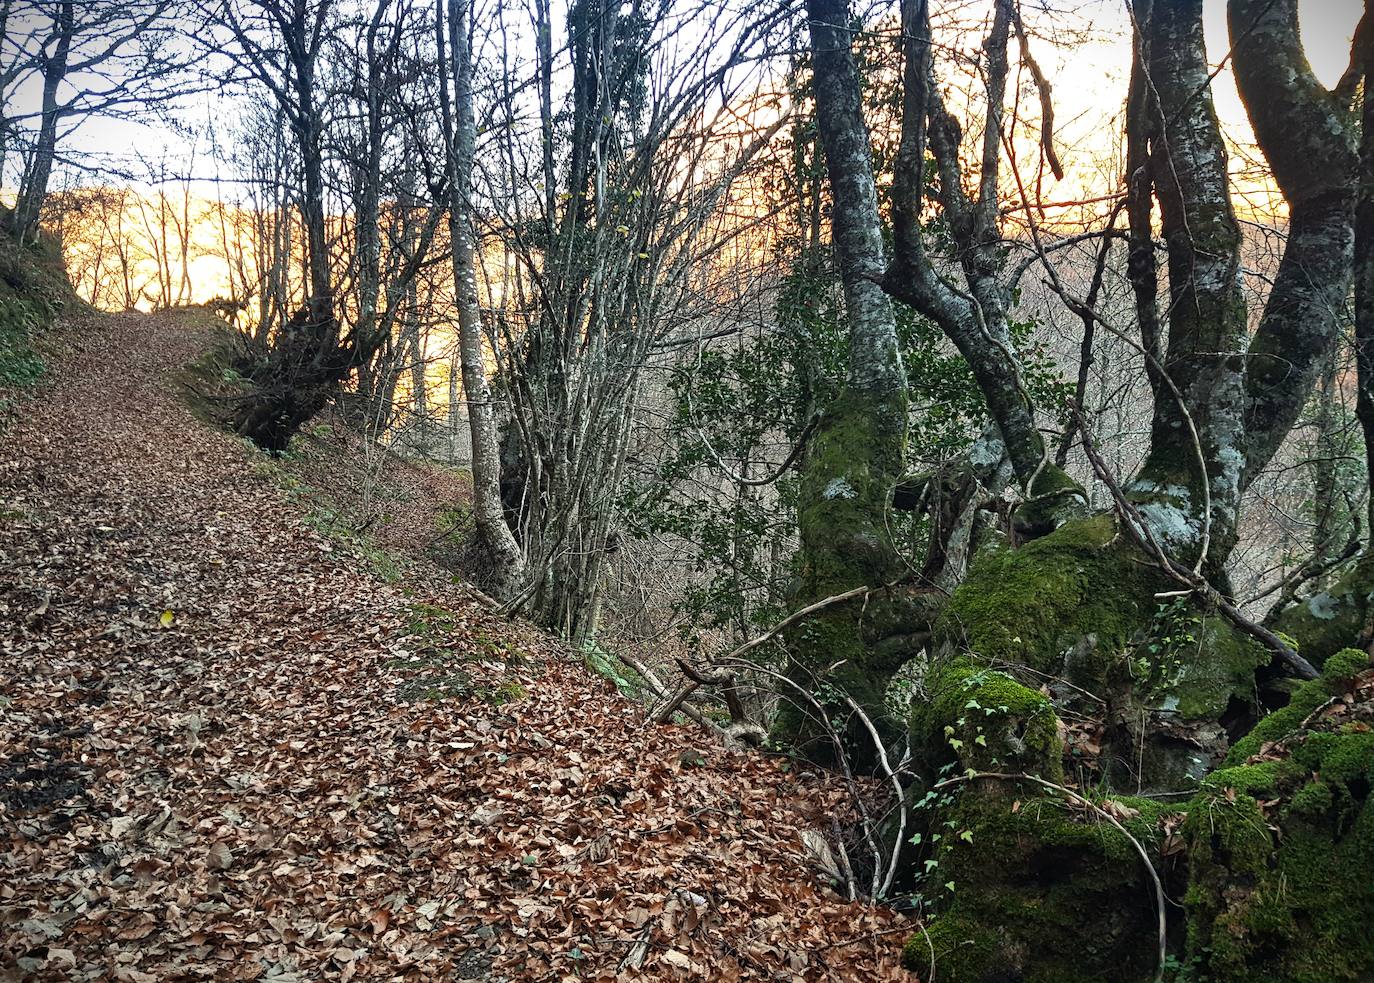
(237, 745)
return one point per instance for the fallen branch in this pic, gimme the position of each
(696, 678)
(661, 691)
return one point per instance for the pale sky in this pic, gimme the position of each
(1089, 86)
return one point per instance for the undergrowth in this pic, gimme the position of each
(34, 291)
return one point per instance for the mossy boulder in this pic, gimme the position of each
(1070, 600)
(1281, 842)
(1034, 889)
(1078, 611)
(981, 719)
(1055, 499)
(1333, 612)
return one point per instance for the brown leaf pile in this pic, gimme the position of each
(213, 763)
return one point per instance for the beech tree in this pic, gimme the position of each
(453, 25)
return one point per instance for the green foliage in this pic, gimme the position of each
(606, 665)
(984, 720)
(750, 399)
(1041, 891)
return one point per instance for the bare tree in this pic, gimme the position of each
(89, 58)
(504, 557)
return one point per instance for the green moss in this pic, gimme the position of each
(1344, 666)
(1055, 498)
(430, 621)
(604, 664)
(856, 459)
(1040, 892)
(1280, 850)
(1079, 603)
(1340, 668)
(1204, 685)
(959, 949)
(987, 721)
(33, 291)
(1333, 614)
(508, 692)
(1036, 605)
(1312, 799)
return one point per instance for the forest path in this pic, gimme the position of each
(229, 752)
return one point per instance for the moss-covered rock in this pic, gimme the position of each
(1332, 614)
(1054, 500)
(1034, 890)
(984, 720)
(1281, 842)
(1077, 610)
(1070, 600)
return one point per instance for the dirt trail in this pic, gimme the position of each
(228, 752)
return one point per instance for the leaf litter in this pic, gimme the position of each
(224, 755)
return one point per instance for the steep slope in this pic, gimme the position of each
(33, 292)
(228, 750)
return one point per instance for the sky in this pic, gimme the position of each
(1089, 89)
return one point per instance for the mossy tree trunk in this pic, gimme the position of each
(1222, 407)
(1198, 419)
(859, 448)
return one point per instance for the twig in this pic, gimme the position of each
(850, 892)
(881, 889)
(697, 678)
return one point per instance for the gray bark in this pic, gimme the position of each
(1309, 142)
(974, 319)
(460, 127)
(34, 189)
(1199, 420)
(1364, 271)
(858, 451)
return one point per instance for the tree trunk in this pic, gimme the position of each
(975, 319)
(858, 453)
(505, 559)
(34, 190)
(1189, 486)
